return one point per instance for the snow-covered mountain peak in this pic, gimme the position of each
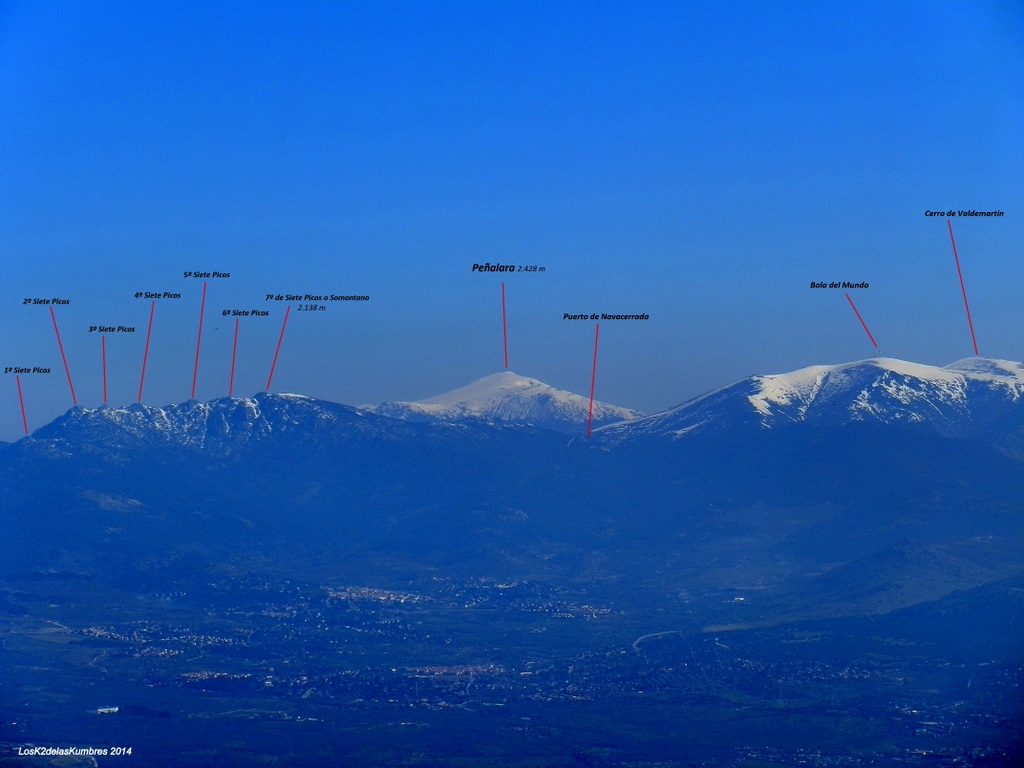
(801, 387)
(966, 398)
(490, 388)
(903, 382)
(509, 398)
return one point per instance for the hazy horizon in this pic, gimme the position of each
(700, 164)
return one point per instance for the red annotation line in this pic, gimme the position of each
(234, 349)
(279, 338)
(62, 357)
(145, 354)
(861, 320)
(593, 378)
(20, 400)
(103, 352)
(964, 290)
(504, 328)
(199, 339)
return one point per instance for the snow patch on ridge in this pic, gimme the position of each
(1003, 372)
(783, 389)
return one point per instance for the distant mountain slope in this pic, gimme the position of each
(509, 398)
(970, 398)
(902, 574)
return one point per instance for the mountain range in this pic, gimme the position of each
(975, 398)
(473, 561)
(850, 458)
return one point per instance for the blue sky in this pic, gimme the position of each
(698, 162)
